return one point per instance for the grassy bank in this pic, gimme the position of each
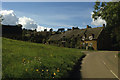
(31, 60)
(119, 54)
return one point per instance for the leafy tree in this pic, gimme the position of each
(110, 12)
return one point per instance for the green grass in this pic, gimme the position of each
(31, 60)
(119, 54)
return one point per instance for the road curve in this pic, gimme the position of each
(100, 64)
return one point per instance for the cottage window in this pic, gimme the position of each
(83, 44)
(90, 37)
(86, 44)
(83, 38)
(91, 44)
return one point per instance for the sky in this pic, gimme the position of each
(57, 0)
(51, 14)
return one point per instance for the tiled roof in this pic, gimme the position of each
(81, 32)
(95, 31)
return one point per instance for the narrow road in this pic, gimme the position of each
(100, 64)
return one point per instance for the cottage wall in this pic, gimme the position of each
(92, 43)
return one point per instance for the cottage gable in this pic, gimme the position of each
(93, 32)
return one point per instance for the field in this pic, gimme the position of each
(30, 60)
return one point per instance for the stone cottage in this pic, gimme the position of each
(96, 38)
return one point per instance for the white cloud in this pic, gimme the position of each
(27, 23)
(9, 18)
(41, 28)
(99, 21)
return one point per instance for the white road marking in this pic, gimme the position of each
(104, 62)
(114, 74)
(111, 71)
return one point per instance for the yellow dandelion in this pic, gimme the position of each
(54, 74)
(37, 70)
(42, 70)
(23, 60)
(47, 70)
(26, 69)
(58, 70)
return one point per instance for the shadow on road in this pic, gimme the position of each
(75, 74)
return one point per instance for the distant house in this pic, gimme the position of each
(12, 31)
(95, 38)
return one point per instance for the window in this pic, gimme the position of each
(83, 44)
(83, 38)
(90, 37)
(91, 44)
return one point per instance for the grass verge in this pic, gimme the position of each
(119, 54)
(31, 60)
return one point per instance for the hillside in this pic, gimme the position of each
(31, 60)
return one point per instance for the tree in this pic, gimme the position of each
(110, 12)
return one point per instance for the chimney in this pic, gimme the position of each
(88, 26)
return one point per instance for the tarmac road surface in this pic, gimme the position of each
(100, 64)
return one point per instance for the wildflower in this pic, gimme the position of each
(42, 70)
(54, 74)
(23, 60)
(58, 70)
(37, 70)
(47, 70)
(26, 69)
